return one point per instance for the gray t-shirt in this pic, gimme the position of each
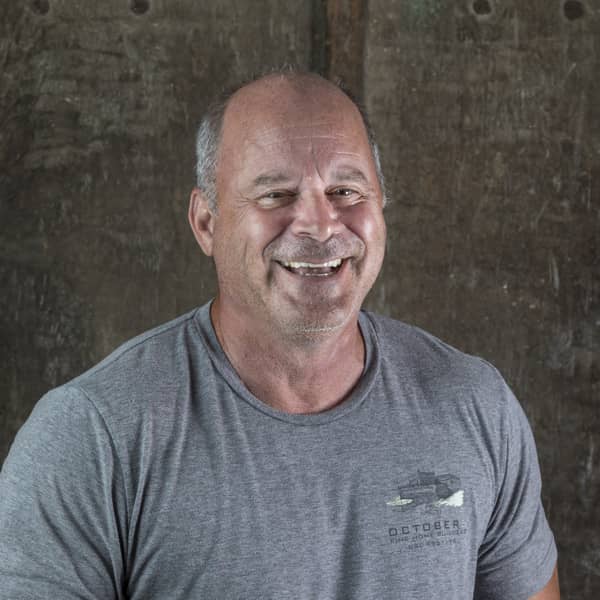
(158, 475)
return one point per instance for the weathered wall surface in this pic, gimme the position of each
(486, 112)
(488, 118)
(489, 121)
(98, 105)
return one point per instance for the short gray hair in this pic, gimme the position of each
(208, 137)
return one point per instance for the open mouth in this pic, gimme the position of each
(313, 269)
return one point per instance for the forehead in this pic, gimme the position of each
(279, 112)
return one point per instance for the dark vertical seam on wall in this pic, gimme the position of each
(363, 50)
(347, 32)
(319, 57)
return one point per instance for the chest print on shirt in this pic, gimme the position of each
(430, 489)
(427, 511)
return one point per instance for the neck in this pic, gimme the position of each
(305, 374)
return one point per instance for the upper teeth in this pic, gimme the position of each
(297, 265)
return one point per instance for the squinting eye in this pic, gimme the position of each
(345, 193)
(278, 198)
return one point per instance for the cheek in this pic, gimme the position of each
(368, 224)
(263, 226)
(245, 237)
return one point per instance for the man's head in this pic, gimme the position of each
(208, 136)
(299, 236)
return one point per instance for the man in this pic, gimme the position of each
(278, 442)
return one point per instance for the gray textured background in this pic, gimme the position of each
(488, 116)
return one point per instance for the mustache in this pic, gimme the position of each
(304, 249)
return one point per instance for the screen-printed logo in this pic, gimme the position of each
(435, 523)
(429, 489)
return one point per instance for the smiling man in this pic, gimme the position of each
(298, 239)
(279, 442)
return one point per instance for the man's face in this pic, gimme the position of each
(299, 236)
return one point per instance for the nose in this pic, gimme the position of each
(316, 217)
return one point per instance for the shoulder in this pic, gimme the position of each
(141, 374)
(426, 360)
(145, 351)
(456, 387)
(122, 401)
(63, 417)
(147, 360)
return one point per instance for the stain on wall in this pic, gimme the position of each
(486, 116)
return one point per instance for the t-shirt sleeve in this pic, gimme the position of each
(518, 554)
(62, 505)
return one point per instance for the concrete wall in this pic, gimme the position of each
(487, 115)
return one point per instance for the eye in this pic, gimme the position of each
(346, 195)
(276, 198)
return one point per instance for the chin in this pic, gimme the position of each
(314, 324)
(316, 328)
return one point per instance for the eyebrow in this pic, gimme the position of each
(348, 173)
(344, 172)
(267, 179)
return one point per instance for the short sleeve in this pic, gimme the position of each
(62, 505)
(518, 554)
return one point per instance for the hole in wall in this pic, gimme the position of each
(482, 8)
(573, 9)
(41, 7)
(139, 7)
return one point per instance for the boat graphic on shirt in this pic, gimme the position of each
(430, 489)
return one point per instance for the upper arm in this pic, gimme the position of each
(61, 505)
(551, 591)
(518, 554)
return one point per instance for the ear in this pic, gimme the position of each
(202, 220)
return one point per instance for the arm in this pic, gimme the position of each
(517, 557)
(61, 505)
(551, 591)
